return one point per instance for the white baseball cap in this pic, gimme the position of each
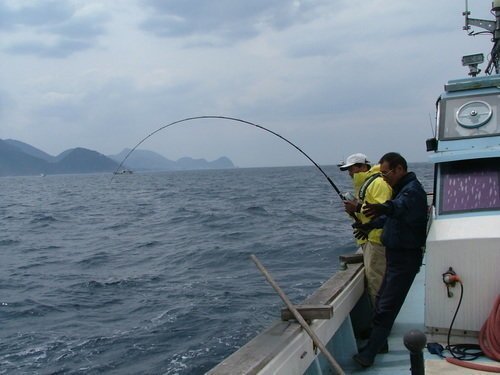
(354, 159)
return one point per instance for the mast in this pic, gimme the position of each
(491, 27)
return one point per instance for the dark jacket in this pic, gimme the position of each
(406, 222)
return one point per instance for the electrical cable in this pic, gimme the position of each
(462, 351)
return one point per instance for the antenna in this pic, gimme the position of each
(488, 25)
(433, 128)
(466, 14)
(491, 27)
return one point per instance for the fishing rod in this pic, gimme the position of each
(240, 121)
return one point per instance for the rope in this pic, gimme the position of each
(489, 336)
(475, 366)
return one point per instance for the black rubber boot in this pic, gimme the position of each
(376, 343)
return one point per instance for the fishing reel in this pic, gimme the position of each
(348, 196)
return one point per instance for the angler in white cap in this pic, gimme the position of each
(359, 160)
(369, 187)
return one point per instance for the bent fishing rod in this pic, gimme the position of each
(240, 121)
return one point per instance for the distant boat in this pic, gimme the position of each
(123, 171)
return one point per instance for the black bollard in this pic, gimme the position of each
(415, 341)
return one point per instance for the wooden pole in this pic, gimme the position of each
(298, 317)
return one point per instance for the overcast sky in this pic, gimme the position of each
(332, 76)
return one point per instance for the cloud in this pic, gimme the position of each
(224, 22)
(71, 29)
(37, 14)
(62, 48)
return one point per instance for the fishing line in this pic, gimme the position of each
(240, 121)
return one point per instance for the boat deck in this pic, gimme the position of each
(397, 361)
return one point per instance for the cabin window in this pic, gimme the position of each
(469, 185)
(469, 117)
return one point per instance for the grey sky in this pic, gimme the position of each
(333, 76)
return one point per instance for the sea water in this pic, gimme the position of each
(150, 273)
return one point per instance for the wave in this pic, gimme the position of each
(27, 308)
(148, 244)
(129, 282)
(257, 210)
(9, 242)
(43, 218)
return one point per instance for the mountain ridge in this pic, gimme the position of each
(19, 158)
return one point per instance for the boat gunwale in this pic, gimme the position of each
(262, 349)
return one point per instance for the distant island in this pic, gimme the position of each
(21, 159)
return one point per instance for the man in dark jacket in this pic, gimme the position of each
(404, 235)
